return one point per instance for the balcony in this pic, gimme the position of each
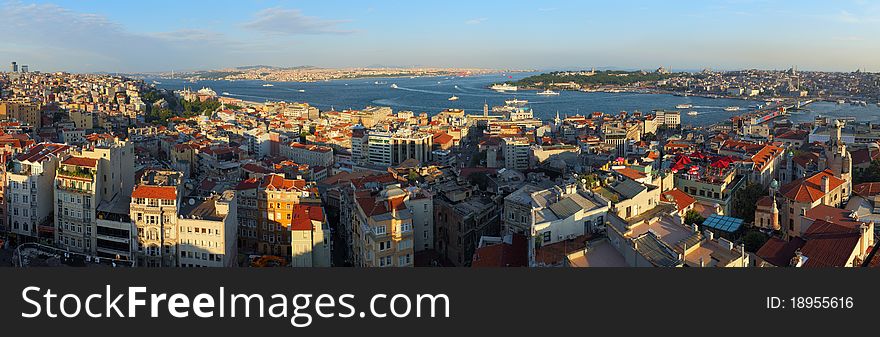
(76, 173)
(69, 188)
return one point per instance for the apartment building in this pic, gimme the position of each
(517, 153)
(383, 229)
(76, 199)
(30, 191)
(22, 111)
(154, 208)
(266, 210)
(310, 239)
(208, 231)
(312, 155)
(461, 217)
(385, 148)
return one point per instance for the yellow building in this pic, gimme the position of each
(383, 229)
(21, 111)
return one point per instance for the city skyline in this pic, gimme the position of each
(117, 37)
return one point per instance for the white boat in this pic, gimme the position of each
(157, 82)
(394, 86)
(301, 90)
(515, 102)
(225, 93)
(878, 103)
(503, 87)
(731, 108)
(453, 98)
(268, 85)
(684, 106)
(548, 92)
(840, 101)
(693, 113)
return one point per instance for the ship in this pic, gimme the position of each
(394, 86)
(268, 85)
(731, 108)
(684, 106)
(225, 93)
(548, 92)
(516, 102)
(693, 113)
(453, 98)
(301, 90)
(503, 87)
(157, 82)
(840, 101)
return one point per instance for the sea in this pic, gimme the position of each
(431, 95)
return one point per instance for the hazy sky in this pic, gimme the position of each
(130, 36)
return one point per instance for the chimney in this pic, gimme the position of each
(709, 235)
(825, 185)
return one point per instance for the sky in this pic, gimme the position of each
(159, 35)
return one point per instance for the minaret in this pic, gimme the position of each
(774, 210)
(485, 109)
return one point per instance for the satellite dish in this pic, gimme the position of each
(192, 201)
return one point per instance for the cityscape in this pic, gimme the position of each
(462, 164)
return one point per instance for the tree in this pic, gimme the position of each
(869, 175)
(693, 217)
(754, 240)
(746, 200)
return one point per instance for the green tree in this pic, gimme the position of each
(745, 201)
(869, 175)
(693, 217)
(754, 240)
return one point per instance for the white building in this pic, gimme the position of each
(517, 153)
(30, 190)
(208, 231)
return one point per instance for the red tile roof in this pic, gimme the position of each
(810, 189)
(867, 190)
(778, 252)
(155, 192)
(828, 244)
(765, 156)
(303, 215)
(837, 216)
(630, 173)
(514, 254)
(80, 161)
(679, 197)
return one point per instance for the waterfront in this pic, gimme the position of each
(431, 95)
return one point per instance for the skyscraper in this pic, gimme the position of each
(14, 67)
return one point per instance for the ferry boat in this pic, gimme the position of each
(268, 85)
(548, 92)
(393, 85)
(378, 83)
(503, 87)
(731, 108)
(693, 113)
(684, 106)
(453, 98)
(301, 90)
(840, 101)
(157, 82)
(225, 93)
(516, 102)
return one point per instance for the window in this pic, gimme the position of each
(547, 236)
(380, 230)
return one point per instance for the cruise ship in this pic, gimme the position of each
(731, 108)
(684, 106)
(503, 87)
(548, 92)
(301, 90)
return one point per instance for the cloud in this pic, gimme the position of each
(49, 37)
(476, 21)
(293, 22)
